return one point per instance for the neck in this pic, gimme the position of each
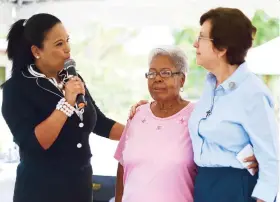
(223, 72)
(169, 104)
(48, 74)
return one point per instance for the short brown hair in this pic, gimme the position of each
(232, 30)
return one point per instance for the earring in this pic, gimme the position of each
(37, 57)
(181, 89)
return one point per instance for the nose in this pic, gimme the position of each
(158, 78)
(195, 44)
(67, 48)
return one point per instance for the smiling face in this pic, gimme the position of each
(168, 80)
(55, 50)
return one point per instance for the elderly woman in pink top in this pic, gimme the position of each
(155, 152)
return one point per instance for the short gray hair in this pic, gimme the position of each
(177, 56)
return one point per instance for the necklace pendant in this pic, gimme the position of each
(81, 124)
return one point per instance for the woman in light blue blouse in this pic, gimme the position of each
(235, 110)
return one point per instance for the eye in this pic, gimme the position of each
(150, 75)
(166, 73)
(59, 44)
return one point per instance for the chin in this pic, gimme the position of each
(198, 62)
(60, 66)
(159, 98)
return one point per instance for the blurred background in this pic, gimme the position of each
(110, 42)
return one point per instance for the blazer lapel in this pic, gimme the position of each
(49, 87)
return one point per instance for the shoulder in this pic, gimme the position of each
(256, 90)
(11, 96)
(256, 84)
(191, 106)
(19, 89)
(9, 83)
(10, 87)
(143, 109)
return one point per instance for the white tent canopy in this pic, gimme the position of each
(136, 13)
(264, 59)
(78, 14)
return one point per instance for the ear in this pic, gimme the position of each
(35, 51)
(183, 78)
(222, 52)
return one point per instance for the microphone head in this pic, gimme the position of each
(69, 66)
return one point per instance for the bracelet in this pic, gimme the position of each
(65, 107)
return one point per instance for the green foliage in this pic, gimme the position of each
(267, 28)
(116, 79)
(184, 38)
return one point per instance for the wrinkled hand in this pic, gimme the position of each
(134, 107)
(254, 163)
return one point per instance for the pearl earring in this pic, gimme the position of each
(37, 57)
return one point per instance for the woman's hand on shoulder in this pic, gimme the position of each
(134, 107)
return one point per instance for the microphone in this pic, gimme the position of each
(69, 67)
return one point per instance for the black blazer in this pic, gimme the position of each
(29, 101)
(62, 172)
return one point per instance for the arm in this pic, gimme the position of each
(119, 184)
(30, 131)
(116, 131)
(48, 131)
(262, 128)
(106, 127)
(119, 157)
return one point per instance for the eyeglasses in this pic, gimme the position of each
(163, 74)
(204, 38)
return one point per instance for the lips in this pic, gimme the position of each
(158, 89)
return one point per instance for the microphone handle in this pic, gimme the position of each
(81, 101)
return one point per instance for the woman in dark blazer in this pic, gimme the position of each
(50, 130)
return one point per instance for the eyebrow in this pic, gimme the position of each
(165, 68)
(61, 40)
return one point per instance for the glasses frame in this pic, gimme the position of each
(203, 38)
(159, 73)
